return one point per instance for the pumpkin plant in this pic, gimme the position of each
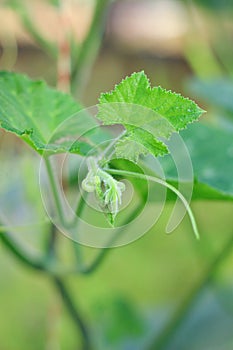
(145, 118)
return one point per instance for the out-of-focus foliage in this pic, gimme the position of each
(211, 152)
(214, 5)
(215, 92)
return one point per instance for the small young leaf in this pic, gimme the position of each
(146, 113)
(138, 142)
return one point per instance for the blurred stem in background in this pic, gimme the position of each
(80, 61)
(75, 315)
(84, 55)
(21, 253)
(81, 67)
(27, 21)
(72, 75)
(167, 334)
(208, 49)
(198, 51)
(42, 264)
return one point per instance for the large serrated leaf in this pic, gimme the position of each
(33, 111)
(134, 104)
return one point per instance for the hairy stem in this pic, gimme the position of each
(74, 313)
(163, 183)
(165, 337)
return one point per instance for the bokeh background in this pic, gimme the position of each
(185, 46)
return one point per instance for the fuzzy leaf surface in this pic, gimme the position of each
(135, 104)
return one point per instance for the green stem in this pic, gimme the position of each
(29, 25)
(165, 337)
(88, 269)
(55, 191)
(20, 253)
(89, 47)
(82, 268)
(205, 65)
(223, 49)
(74, 313)
(78, 213)
(81, 205)
(163, 183)
(95, 264)
(23, 256)
(50, 248)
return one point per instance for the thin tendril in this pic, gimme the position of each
(163, 183)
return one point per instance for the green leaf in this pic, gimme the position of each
(147, 115)
(217, 92)
(33, 111)
(211, 152)
(139, 142)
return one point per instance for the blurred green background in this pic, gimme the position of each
(185, 46)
